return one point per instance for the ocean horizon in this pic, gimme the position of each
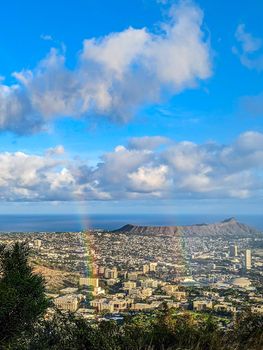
(63, 222)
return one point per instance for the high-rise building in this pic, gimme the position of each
(153, 266)
(233, 250)
(37, 243)
(145, 268)
(248, 259)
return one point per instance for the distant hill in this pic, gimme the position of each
(228, 227)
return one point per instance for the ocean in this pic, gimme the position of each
(52, 223)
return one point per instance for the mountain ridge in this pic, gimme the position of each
(227, 227)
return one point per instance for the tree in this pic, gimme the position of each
(249, 331)
(22, 294)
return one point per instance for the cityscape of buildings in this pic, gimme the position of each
(103, 274)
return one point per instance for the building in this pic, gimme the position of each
(149, 283)
(67, 303)
(129, 285)
(95, 269)
(133, 276)
(170, 288)
(179, 295)
(233, 250)
(257, 309)
(101, 270)
(145, 268)
(111, 273)
(145, 306)
(111, 281)
(89, 282)
(112, 305)
(241, 282)
(224, 307)
(37, 243)
(153, 266)
(146, 292)
(248, 259)
(201, 305)
(98, 291)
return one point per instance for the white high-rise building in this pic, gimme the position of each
(153, 266)
(37, 243)
(233, 250)
(248, 259)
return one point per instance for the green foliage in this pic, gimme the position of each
(22, 293)
(249, 331)
(163, 330)
(63, 331)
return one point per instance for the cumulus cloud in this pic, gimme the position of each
(248, 49)
(149, 179)
(28, 177)
(184, 169)
(114, 76)
(178, 170)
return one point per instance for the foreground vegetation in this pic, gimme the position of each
(23, 325)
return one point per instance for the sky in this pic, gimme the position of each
(143, 106)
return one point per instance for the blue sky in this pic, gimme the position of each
(131, 106)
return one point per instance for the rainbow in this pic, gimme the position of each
(89, 248)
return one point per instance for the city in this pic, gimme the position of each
(102, 275)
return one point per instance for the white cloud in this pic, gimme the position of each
(247, 41)
(249, 49)
(149, 179)
(177, 170)
(115, 74)
(57, 150)
(116, 52)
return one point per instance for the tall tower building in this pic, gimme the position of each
(153, 266)
(248, 259)
(233, 250)
(145, 268)
(37, 243)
